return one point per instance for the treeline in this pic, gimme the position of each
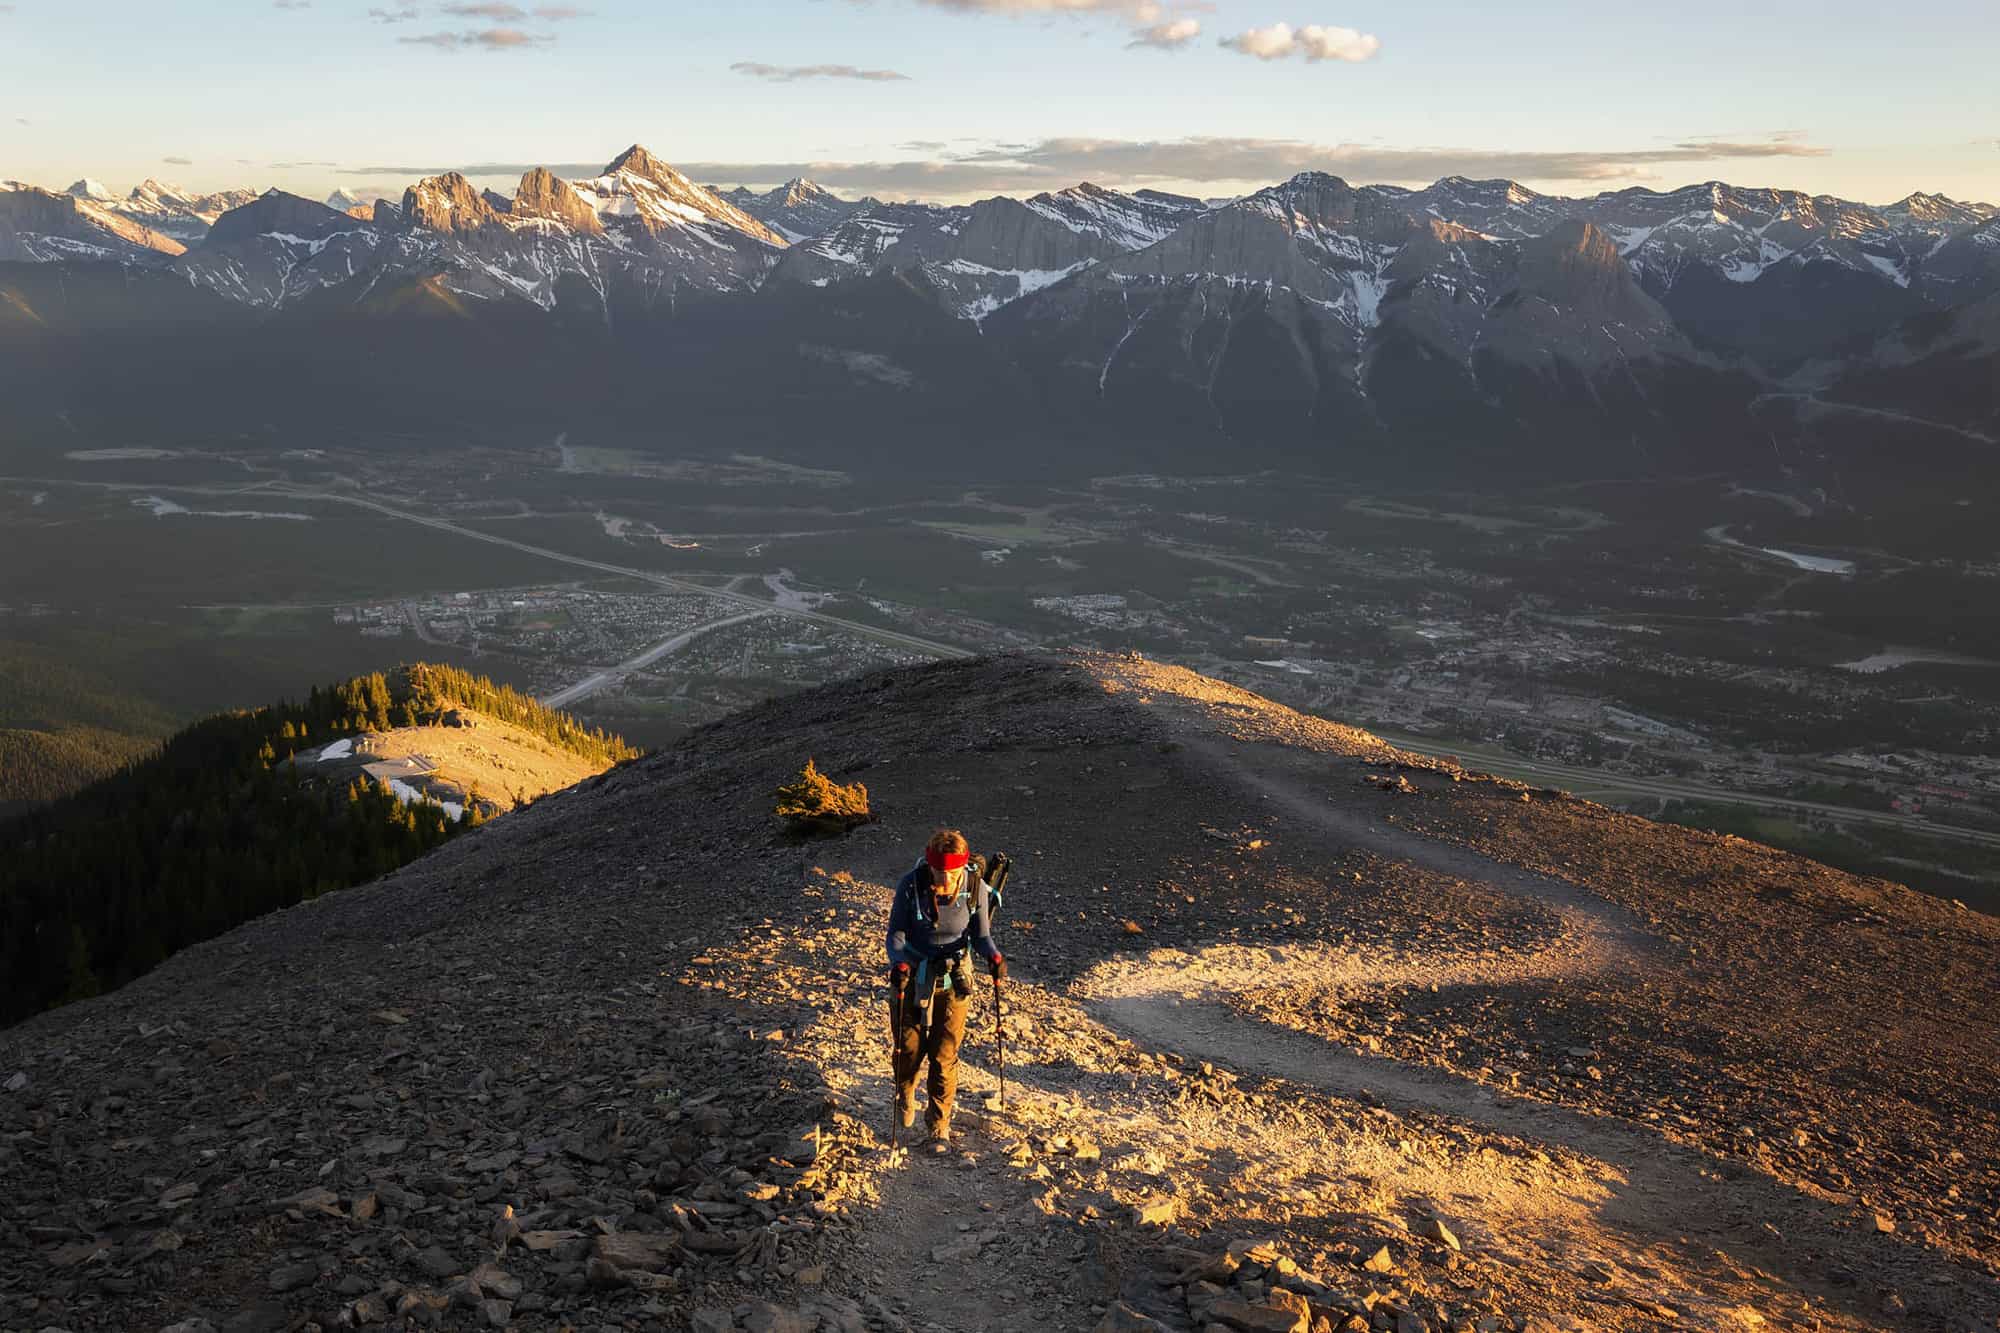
(38, 766)
(434, 690)
(425, 694)
(214, 828)
(62, 728)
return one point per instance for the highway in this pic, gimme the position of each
(893, 638)
(596, 681)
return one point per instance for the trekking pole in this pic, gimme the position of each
(895, 1023)
(1000, 1038)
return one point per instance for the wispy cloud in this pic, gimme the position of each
(484, 39)
(1168, 36)
(291, 4)
(22, 120)
(1054, 163)
(1143, 10)
(402, 14)
(1024, 168)
(1154, 23)
(477, 170)
(1315, 43)
(178, 161)
(501, 12)
(793, 73)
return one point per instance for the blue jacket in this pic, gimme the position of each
(914, 937)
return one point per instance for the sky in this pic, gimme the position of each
(957, 99)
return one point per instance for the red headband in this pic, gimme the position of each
(943, 861)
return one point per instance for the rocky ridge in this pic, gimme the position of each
(639, 1017)
(797, 210)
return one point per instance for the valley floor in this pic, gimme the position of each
(1440, 1052)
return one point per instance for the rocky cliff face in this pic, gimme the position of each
(178, 213)
(543, 194)
(976, 257)
(37, 226)
(447, 203)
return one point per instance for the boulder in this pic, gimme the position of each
(1433, 1229)
(765, 1317)
(1122, 1318)
(1259, 1318)
(641, 1250)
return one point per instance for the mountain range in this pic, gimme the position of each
(1313, 322)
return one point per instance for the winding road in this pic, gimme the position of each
(892, 638)
(599, 680)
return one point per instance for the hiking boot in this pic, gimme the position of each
(940, 1136)
(906, 1111)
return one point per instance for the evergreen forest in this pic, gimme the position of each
(215, 827)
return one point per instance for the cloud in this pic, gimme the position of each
(793, 73)
(1168, 36)
(1281, 41)
(178, 161)
(1055, 163)
(291, 4)
(401, 15)
(501, 12)
(1235, 163)
(22, 120)
(568, 170)
(485, 39)
(1143, 10)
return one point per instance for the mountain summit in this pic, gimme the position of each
(1299, 1028)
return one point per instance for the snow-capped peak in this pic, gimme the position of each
(94, 190)
(638, 185)
(155, 194)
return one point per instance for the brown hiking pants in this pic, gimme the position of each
(947, 1030)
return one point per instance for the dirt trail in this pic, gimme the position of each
(1658, 1195)
(1613, 1200)
(944, 1249)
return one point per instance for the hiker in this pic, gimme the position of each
(942, 906)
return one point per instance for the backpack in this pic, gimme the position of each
(995, 873)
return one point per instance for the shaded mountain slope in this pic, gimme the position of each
(1270, 978)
